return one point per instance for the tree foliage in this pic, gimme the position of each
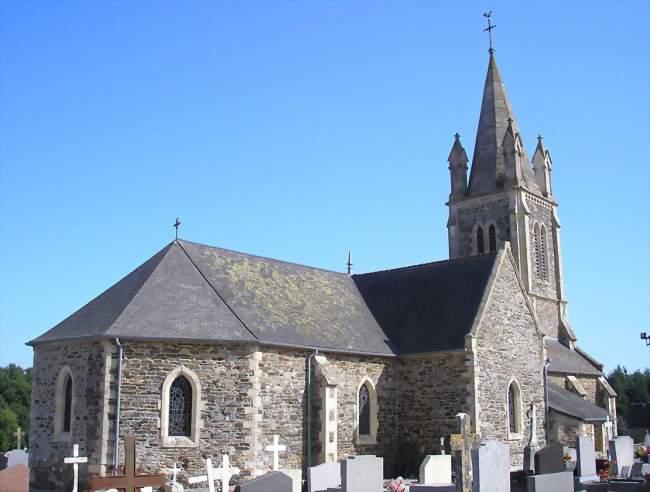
(633, 400)
(15, 396)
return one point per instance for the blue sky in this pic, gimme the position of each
(299, 130)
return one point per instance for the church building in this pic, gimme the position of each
(202, 351)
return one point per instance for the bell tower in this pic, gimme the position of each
(509, 198)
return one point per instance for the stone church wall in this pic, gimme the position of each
(226, 374)
(547, 314)
(46, 454)
(433, 389)
(509, 347)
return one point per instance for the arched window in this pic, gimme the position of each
(64, 403)
(492, 238)
(364, 411)
(543, 253)
(514, 410)
(367, 415)
(67, 405)
(180, 408)
(480, 241)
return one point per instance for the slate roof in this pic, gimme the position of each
(496, 109)
(569, 403)
(568, 361)
(428, 307)
(189, 291)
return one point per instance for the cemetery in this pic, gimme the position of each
(471, 465)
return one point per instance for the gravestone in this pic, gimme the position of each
(274, 481)
(436, 469)
(621, 451)
(635, 471)
(296, 477)
(16, 457)
(462, 445)
(432, 488)
(322, 477)
(362, 473)
(586, 463)
(491, 467)
(550, 482)
(550, 459)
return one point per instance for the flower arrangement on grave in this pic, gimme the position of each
(642, 452)
(396, 485)
(567, 457)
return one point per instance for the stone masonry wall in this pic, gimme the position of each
(482, 210)
(226, 374)
(565, 429)
(434, 388)
(509, 347)
(85, 360)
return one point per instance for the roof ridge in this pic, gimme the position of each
(216, 291)
(263, 257)
(166, 250)
(420, 265)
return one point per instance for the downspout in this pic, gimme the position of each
(117, 404)
(313, 354)
(546, 364)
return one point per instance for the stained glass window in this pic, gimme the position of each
(180, 408)
(364, 411)
(512, 417)
(67, 409)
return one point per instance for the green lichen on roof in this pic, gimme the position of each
(285, 302)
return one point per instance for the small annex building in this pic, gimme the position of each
(202, 350)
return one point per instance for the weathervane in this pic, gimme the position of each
(489, 28)
(176, 225)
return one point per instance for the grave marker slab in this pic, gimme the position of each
(436, 469)
(550, 459)
(274, 481)
(491, 467)
(296, 477)
(550, 482)
(586, 463)
(17, 457)
(621, 451)
(363, 473)
(322, 477)
(432, 488)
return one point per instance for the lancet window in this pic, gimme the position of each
(180, 407)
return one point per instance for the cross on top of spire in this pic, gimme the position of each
(489, 28)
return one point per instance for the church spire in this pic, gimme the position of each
(488, 163)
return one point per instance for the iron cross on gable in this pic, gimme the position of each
(489, 28)
(176, 225)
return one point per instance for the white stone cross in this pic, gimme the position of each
(74, 460)
(442, 445)
(223, 474)
(276, 448)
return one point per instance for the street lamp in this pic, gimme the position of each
(644, 336)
